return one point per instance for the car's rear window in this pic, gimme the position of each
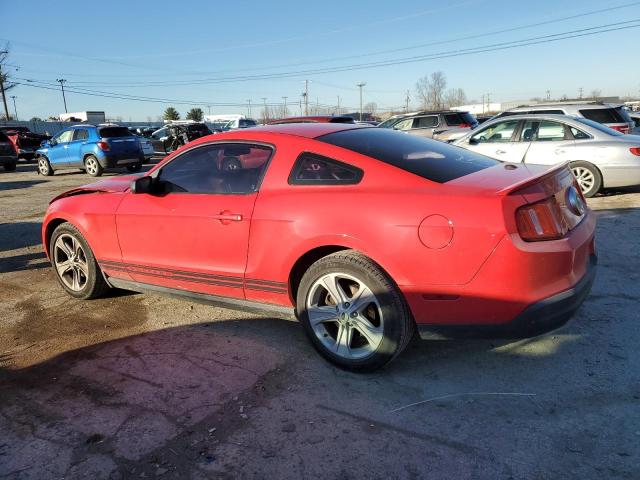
(430, 159)
(455, 119)
(114, 132)
(247, 123)
(602, 115)
(598, 126)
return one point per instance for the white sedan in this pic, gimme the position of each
(599, 156)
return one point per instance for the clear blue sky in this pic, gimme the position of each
(121, 46)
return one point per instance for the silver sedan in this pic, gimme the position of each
(599, 156)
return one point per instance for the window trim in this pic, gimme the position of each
(297, 165)
(74, 139)
(156, 174)
(418, 117)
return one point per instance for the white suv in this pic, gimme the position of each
(613, 116)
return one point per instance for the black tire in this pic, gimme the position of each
(591, 182)
(397, 327)
(44, 167)
(9, 167)
(92, 166)
(134, 167)
(95, 285)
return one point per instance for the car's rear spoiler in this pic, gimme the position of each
(540, 178)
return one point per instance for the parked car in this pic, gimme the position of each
(635, 117)
(174, 135)
(315, 119)
(446, 125)
(8, 157)
(508, 251)
(611, 115)
(24, 141)
(143, 131)
(90, 148)
(600, 157)
(145, 143)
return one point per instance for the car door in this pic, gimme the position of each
(158, 140)
(57, 152)
(424, 126)
(551, 142)
(500, 141)
(191, 233)
(74, 148)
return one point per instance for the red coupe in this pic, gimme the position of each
(366, 233)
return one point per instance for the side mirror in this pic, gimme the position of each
(473, 141)
(142, 185)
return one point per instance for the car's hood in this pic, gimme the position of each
(108, 185)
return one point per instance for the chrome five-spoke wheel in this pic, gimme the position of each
(345, 315)
(70, 261)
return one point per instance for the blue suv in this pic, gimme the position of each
(92, 149)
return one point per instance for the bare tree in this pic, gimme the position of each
(455, 97)
(5, 79)
(430, 90)
(595, 94)
(371, 107)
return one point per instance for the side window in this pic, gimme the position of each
(529, 130)
(403, 124)
(549, 132)
(80, 134)
(64, 137)
(425, 122)
(313, 169)
(578, 134)
(497, 133)
(223, 168)
(159, 134)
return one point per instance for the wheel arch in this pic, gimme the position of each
(48, 232)
(572, 162)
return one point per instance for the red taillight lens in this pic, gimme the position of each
(464, 125)
(635, 151)
(621, 128)
(104, 146)
(541, 221)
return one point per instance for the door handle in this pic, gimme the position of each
(500, 152)
(226, 217)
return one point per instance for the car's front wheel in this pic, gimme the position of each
(44, 167)
(75, 265)
(92, 166)
(588, 177)
(353, 312)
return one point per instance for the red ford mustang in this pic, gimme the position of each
(366, 233)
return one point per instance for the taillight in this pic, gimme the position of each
(621, 128)
(464, 125)
(635, 151)
(541, 221)
(104, 146)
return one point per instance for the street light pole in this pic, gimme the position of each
(285, 106)
(249, 106)
(4, 98)
(360, 85)
(15, 110)
(62, 80)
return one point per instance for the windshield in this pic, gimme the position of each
(390, 122)
(247, 123)
(430, 159)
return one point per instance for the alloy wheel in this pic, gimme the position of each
(345, 315)
(585, 178)
(43, 166)
(91, 165)
(70, 261)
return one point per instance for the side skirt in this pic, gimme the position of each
(226, 302)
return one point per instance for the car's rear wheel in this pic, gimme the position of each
(588, 177)
(352, 311)
(92, 166)
(44, 167)
(134, 167)
(75, 265)
(9, 167)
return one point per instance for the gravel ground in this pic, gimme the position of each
(144, 386)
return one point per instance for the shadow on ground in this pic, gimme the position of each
(19, 235)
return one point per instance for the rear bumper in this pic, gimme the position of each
(540, 317)
(120, 162)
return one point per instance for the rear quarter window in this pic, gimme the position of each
(429, 159)
(602, 115)
(114, 132)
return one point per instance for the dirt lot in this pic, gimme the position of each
(142, 386)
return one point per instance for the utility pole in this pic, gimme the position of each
(548, 94)
(62, 80)
(208, 109)
(306, 97)
(249, 107)
(15, 110)
(360, 85)
(284, 113)
(406, 102)
(488, 102)
(483, 104)
(580, 93)
(265, 116)
(338, 107)
(4, 98)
